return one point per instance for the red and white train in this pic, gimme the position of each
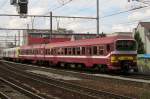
(117, 53)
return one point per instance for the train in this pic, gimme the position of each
(110, 53)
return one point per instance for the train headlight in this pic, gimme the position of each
(114, 59)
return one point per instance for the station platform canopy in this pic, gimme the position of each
(144, 56)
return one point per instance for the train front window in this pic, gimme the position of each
(126, 45)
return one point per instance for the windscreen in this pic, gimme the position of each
(126, 45)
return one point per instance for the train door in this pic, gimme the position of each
(89, 56)
(44, 52)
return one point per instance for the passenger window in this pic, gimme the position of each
(49, 52)
(46, 53)
(65, 51)
(101, 50)
(89, 50)
(58, 51)
(69, 51)
(78, 50)
(83, 50)
(62, 51)
(74, 51)
(52, 51)
(94, 50)
(55, 51)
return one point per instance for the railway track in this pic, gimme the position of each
(78, 90)
(14, 88)
(86, 74)
(133, 84)
(4, 96)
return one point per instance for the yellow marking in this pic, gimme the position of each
(17, 52)
(125, 58)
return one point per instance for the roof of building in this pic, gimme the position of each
(145, 24)
(121, 34)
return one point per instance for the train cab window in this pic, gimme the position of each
(83, 50)
(94, 50)
(126, 45)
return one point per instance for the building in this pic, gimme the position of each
(129, 34)
(32, 36)
(144, 30)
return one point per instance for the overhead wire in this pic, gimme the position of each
(121, 12)
(64, 3)
(58, 7)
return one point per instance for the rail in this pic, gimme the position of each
(3, 96)
(24, 91)
(69, 86)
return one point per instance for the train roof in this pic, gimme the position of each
(86, 42)
(33, 46)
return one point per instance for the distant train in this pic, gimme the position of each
(112, 53)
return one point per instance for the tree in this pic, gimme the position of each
(140, 44)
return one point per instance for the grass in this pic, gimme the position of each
(144, 65)
(145, 95)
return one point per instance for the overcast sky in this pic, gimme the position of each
(119, 23)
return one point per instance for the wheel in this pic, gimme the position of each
(101, 68)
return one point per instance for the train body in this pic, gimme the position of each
(117, 53)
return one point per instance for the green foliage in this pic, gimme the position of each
(140, 44)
